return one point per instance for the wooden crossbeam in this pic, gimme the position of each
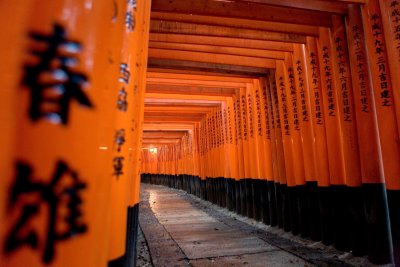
(164, 134)
(179, 66)
(259, 53)
(159, 26)
(188, 90)
(245, 10)
(205, 83)
(154, 126)
(212, 58)
(334, 7)
(178, 109)
(208, 77)
(221, 41)
(237, 23)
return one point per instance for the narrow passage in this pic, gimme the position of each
(182, 230)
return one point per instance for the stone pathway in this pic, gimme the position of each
(182, 230)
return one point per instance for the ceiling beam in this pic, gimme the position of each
(159, 26)
(203, 67)
(189, 82)
(212, 58)
(245, 10)
(237, 23)
(189, 90)
(221, 41)
(208, 77)
(334, 7)
(219, 50)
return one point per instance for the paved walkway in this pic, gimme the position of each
(182, 230)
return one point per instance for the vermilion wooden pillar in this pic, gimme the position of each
(378, 59)
(296, 201)
(281, 181)
(367, 129)
(54, 214)
(313, 69)
(390, 11)
(308, 141)
(122, 139)
(349, 138)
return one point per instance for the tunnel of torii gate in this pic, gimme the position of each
(284, 111)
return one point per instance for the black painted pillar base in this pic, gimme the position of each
(257, 201)
(304, 212)
(326, 200)
(358, 223)
(314, 218)
(264, 202)
(272, 204)
(249, 198)
(394, 211)
(285, 208)
(233, 194)
(238, 197)
(243, 199)
(129, 259)
(380, 247)
(279, 204)
(342, 217)
(293, 209)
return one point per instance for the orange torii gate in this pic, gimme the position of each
(287, 112)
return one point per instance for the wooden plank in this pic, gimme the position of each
(160, 141)
(216, 72)
(237, 23)
(191, 90)
(189, 82)
(155, 64)
(221, 41)
(159, 26)
(334, 7)
(172, 103)
(212, 58)
(208, 77)
(175, 119)
(147, 126)
(244, 10)
(219, 50)
(177, 109)
(171, 115)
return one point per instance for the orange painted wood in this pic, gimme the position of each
(293, 106)
(339, 7)
(212, 58)
(220, 41)
(343, 74)
(331, 110)
(391, 27)
(304, 112)
(383, 93)
(160, 26)
(237, 23)
(42, 144)
(262, 130)
(244, 10)
(231, 137)
(314, 91)
(142, 23)
(275, 102)
(257, 53)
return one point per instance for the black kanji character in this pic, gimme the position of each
(122, 102)
(62, 192)
(130, 20)
(125, 73)
(118, 163)
(119, 138)
(52, 81)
